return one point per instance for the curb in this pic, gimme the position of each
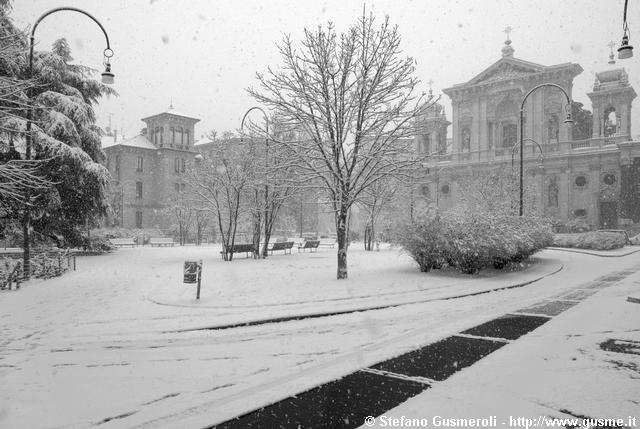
(592, 253)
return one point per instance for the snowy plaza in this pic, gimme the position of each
(319, 215)
(124, 343)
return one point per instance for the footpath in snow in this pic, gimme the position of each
(107, 344)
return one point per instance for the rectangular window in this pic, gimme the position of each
(140, 164)
(182, 165)
(182, 187)
(176, 165)
(138, 189)
(187, 133)
(138, 219)
(177, 187)
(118, 167)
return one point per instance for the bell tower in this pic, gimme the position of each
(611, 102)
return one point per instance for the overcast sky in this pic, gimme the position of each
(202, 54)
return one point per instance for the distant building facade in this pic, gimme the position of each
(596, 180)
(148, 168)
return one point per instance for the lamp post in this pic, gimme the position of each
(266, 164)
(107, 78)
(625, 50)
(567, 120)
(540, 163)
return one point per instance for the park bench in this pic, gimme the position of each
(161, 241)
(239, 248)
(327, 242)
(309, 244)
(121, 242)
(281, 245)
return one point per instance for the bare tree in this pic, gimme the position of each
(374, 200)
(219, 183)
(350, 97)
(275, 180)
(180, 209)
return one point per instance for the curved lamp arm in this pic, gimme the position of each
(625, 50)
(107, 76)
(266, 117)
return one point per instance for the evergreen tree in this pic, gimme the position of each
(66, 140)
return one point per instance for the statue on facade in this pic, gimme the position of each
(466, 140)
(553, 193)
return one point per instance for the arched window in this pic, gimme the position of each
(155, 135)
(509, 135)
(186, 132)
(506, 118)
(610, 121)
(426, 144)
(180, 135)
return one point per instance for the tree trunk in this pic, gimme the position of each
(26, 244)
(341, 230)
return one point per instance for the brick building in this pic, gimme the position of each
(148, 168)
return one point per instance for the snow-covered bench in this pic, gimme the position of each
(327, 242)
(161, 241)
(281, 245)
(309, 244)
(239, 248)
(121, 242)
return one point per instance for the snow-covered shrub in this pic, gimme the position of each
(472, 240)
(595, 240)
(425, 241)
(50, 264)
(572, 226)
(7, 265)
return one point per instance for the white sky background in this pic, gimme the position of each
(204, 53)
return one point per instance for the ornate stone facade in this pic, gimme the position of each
(591, 180)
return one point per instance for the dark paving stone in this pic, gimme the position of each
(440, 360)
(341, 403)
(549, 308)
(621, 346)
(510, 326)
(578, 294)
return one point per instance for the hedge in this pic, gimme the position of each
(470, 241)
(595, 240)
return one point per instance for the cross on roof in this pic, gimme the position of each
(507, 31)
(611, 45)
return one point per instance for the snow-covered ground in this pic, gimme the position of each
(558, 371)
(118, 341)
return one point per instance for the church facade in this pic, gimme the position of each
(595, 180)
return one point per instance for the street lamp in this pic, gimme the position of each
(625, 50)
(266, 164)
(566, 121)
(107, 78)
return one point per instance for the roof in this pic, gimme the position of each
(510, 68)
(172, 111)
(138, 141)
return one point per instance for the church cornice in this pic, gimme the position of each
(510, 73)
